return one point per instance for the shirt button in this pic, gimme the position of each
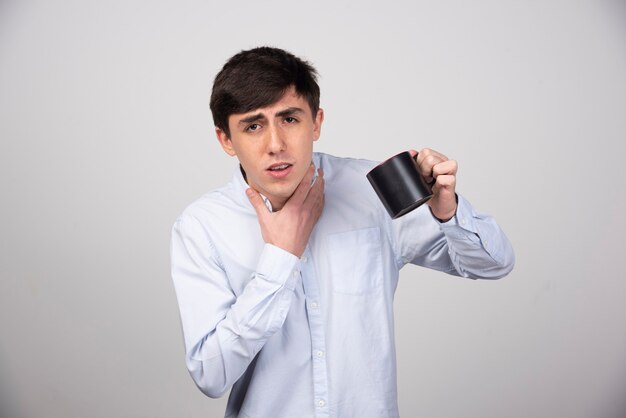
(296, 272)
(321, 403)
(319, 353)
(462, 221)
(313, 305)
(303, 259)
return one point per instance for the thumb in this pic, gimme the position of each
(257, 202)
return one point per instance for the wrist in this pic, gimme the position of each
(444, 216)
(442, 219)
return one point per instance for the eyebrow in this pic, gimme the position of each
(251, 118)
(260, 116)
(289, 111)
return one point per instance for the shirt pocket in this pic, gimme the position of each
(355, 261)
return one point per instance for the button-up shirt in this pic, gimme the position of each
(312, 336)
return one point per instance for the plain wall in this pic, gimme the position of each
(105, 136)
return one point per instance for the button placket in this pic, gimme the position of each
(316, 329)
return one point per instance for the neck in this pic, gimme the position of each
(277, 204)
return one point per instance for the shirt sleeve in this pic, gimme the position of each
(470, 244)
(223, 332)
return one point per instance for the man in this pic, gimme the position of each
(285, 276)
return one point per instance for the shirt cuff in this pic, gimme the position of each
(278, 266)
(463, 223)
(469, 225)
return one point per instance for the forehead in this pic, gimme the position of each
(289, 99)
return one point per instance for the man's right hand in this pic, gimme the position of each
(290, 227)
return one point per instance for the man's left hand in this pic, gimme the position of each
(434, 165)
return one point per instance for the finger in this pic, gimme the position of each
(315, 177)
(318, 208)
(427, 153)
(444, 197)
(445, 167)
(314, 202)
(445, 181)
(303, 188)
(320, 176)
(317, 190)
(413, 153)
(257, 202)
(426, 160)
(427, 165)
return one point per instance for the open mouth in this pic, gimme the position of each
(279, 167)
(279, 170)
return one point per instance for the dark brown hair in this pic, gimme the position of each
(257, 78)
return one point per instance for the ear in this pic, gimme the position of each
(317, 124)
(225, 142)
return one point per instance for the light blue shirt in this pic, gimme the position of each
(312, 336)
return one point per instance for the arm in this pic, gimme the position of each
(452, 236)
(223, 332)
(477, 247)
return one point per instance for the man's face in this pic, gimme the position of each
(274, 145)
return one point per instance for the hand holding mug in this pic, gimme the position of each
(437, 169)
(409, 179)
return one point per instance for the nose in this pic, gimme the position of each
(275, 142)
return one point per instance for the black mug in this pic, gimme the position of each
(399, 185)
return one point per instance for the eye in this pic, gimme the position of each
(290, 119)
(253, 127)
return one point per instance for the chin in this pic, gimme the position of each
(285, 193)
(281, 191)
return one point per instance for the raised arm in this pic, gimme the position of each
(450, 235)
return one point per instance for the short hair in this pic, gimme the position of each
(257, 78)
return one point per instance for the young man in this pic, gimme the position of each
(285, 276)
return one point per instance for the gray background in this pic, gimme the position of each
(106, 136)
